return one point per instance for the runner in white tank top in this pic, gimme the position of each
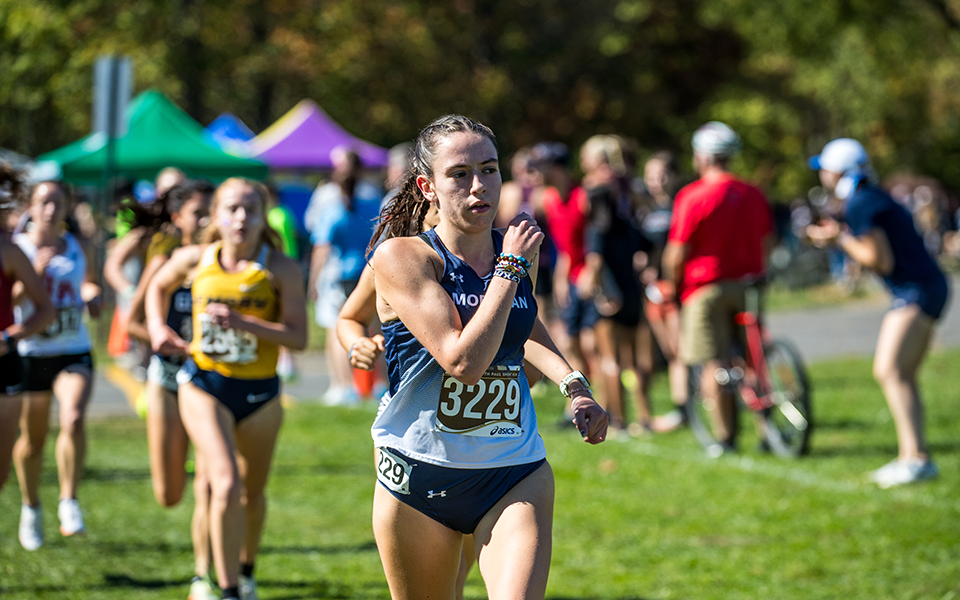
(55, 360)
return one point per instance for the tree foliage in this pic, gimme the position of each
(788, 74)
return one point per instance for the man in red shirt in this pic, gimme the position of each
(718, 238)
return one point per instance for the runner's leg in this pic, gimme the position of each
(28, 450)
(72, 388)
(10, 407)
(256, 441)
(211, 429)
(168, 443)
(421, 557)
(514, 539)
(905, 335)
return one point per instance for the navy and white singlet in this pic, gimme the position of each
(432, 417)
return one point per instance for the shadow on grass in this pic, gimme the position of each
(368, 546)
(123, 548)
(888, 450)
(94, 474)
(114, 580)
(110, 580)
(843, 424)
(326, 468)
(583, 598)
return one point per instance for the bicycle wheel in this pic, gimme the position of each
(789, 422)
(699, 409)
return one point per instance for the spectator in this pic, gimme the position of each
(567, 212)
(340, 239)
(879, 234)
(660, 308)
(615, 247)
(718, 238)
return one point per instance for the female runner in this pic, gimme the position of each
(14, 267)
(188, 204)
(248, 299)
(55, 362)
(459, 451)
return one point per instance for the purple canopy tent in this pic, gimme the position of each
(303, 138)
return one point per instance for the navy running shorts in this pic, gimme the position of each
(242, 397)
(455, 498)
(580, 314)
(931, 297)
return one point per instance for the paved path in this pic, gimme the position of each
(819, 334)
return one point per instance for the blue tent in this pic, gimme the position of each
(229, 132)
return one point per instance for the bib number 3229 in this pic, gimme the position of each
(489, 408)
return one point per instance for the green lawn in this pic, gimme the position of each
(647, 518)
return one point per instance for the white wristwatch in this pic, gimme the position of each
(570, 378)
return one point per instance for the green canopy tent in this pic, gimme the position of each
(159, 134)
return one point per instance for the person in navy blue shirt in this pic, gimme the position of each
(880, 234)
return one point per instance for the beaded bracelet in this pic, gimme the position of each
(512, 268)
(513, 258)
(508, 275)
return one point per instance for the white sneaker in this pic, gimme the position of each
(248, 588)
(202, 589)
(899, 472)
(31, 527)
(71, 519)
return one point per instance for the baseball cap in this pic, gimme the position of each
(716, 138)
(842, 155)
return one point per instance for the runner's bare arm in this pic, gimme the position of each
(157, 299)
(121, 251)
(18, 267)
(355, 317)
(407, 273)
(137, 319)
(541, 352)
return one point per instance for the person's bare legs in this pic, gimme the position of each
(640, 340)
(72, 388)
(421, 558)
(514, 539)
(339, 364)
(10, 408)
(28, 450)
(720, 403)
(610, 372)
(468, 556)
(256, 441)
(168, 443)
(211, 429)
(905, 335)
(200, 523)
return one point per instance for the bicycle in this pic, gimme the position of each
(768, 379)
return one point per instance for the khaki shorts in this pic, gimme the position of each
(707, 327)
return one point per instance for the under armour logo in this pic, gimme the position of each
(456, 277)
(433, 494)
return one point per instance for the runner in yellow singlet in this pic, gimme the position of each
(248, 300)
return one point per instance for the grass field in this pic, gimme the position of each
(647, 518)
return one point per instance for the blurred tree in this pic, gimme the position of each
(788, 74)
